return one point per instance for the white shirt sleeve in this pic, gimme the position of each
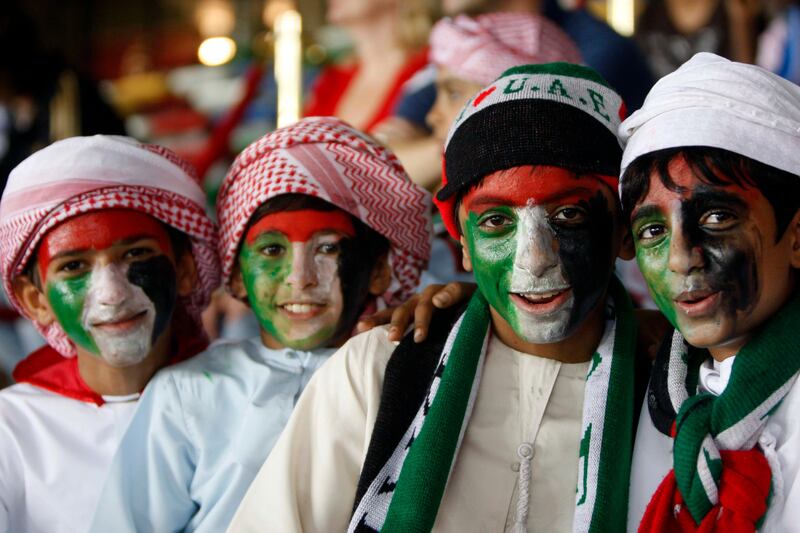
(148, 484)
(308, 482)
(11, 481)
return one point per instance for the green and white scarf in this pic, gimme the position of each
(405, 494)
(705, 427)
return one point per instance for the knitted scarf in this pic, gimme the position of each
(402, 490)
(721, 480)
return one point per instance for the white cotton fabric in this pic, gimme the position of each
(780, 441)
(711, 101)
(308, 483)
(202, 430)
(50, 480)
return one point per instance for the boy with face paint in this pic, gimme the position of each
(511, 405)
(106, 247)
(469, 53)
(711, 179)
(319, 225)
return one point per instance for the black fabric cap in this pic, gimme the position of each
(528, 132)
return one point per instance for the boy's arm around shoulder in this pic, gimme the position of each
(148, 484)
(308, 482)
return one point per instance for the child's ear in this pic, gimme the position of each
(186, 274)
(381, 276)
(33, 300)
(466, 260)
(627, 250)
(238, 288)
(794, 231)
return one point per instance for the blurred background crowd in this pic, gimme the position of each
(207, 77)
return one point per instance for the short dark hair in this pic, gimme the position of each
(715, 166)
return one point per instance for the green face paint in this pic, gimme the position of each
(652, 256)
(519, 273)
(293, 287)
(539, 239)
(492, 253)
(66, 298)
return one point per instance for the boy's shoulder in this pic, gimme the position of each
(224, 365)
(369, 350)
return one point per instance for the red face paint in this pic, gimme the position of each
(300, 226)
(539, 185)
(100, 230)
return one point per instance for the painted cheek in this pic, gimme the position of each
(262, 276)
(585, 254)
(326, 273)
(67, 299)
(492, 263)
(158, 279)
(653, 263)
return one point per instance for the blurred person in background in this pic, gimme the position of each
(672, 31)
(389, 38)
(45, 99)
(779, 45)
(615, 57)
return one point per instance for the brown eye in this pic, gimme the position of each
(329, 248)
(651, 231)
(138, 252)
(570, 215)
(273, 250)
(72, 266)
(495, 221)
(718, 220)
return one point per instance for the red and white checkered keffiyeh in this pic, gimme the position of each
(83, 174)
(326, 158)
(480, 48)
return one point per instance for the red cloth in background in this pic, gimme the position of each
(334, 80)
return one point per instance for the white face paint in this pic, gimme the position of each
(119, 316)
(543, 299)
(311, 296)
(294, 287)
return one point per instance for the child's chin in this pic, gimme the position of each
(707, 334)
(312, 341)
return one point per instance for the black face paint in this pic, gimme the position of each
(585, 252)
(729, 259)
(158, 280)
(357, 260)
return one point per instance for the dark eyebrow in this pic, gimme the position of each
(78, 251)
(646, 211)
(706, 197)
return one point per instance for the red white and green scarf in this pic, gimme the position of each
(721, 480)
(403, 491)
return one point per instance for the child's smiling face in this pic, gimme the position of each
(542, 242)
(290, 267)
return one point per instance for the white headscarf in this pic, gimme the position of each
(710, 101)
